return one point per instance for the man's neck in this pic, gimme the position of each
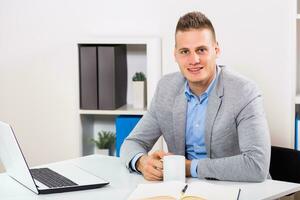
(199, 87)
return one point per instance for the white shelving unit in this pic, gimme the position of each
(143, 54)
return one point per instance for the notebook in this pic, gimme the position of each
(173, 190)
(53, 179)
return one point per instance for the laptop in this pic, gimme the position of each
(54, 178)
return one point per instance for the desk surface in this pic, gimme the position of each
(122, 183)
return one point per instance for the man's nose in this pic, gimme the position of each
(194, 58)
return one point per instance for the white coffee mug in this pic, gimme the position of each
(174, 168)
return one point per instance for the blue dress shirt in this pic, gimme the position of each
(195, 125)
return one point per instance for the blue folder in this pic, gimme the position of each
(124, 125)
(297, 121)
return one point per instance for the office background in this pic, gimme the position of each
(39, 80)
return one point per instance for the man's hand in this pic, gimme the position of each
(188, 168)
(151, 166)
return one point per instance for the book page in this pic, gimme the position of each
(211, 191)
(163, 190)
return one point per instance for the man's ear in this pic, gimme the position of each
(217, 49)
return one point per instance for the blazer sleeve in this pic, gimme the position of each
(143, 136)
(252, 164)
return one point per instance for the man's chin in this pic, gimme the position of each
(195, 79)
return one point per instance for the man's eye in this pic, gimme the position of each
(201, 50)
(184, 52)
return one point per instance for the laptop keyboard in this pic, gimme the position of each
(51, 178)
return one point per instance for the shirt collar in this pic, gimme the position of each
(189, 94)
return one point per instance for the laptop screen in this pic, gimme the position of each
(13, 159)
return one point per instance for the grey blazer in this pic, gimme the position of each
(237, 137)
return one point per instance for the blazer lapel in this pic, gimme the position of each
(214, 103)
(179, 121)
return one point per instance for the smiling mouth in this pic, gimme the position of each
(194, 69)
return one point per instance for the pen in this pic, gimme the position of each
(184, 189)
(239, 194)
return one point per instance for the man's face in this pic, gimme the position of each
(196, 52)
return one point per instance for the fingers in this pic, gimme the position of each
(154, 169)
(153, 174)
(150, 167)
(150, 177)
(157, 164)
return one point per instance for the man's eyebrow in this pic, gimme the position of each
(183, 48)
(199, 47)
(202, 46)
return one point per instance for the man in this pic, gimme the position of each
(212, 116)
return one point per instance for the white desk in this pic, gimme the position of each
(122, 183)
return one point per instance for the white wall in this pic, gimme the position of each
(39, 62)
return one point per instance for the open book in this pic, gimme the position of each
(172, 190)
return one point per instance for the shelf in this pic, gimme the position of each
(124, 110)
(298, 16)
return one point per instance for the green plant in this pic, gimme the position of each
(139, 76)
(105, 140)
